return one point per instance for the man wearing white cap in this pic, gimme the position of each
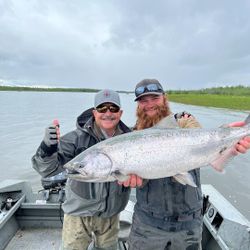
(90, 208)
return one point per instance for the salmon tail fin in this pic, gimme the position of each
(220, 163)
(247, 121)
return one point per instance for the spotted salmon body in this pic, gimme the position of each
(156, 153)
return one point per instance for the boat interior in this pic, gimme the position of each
(31, 220)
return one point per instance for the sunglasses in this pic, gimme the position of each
(105, 108)
(148, 88)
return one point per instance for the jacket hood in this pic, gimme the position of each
(84, 117)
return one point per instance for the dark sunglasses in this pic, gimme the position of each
(148, 88)
(105, 108)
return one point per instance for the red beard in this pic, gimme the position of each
(145, 121)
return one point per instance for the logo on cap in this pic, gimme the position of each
(106, 93)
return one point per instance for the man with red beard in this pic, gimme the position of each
(167, 215)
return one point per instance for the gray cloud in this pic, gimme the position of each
(185, 44)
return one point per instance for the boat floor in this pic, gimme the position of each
(42, 239)
(46, 239)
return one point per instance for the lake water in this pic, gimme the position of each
(24, 116)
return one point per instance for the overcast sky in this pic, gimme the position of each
(185, 44)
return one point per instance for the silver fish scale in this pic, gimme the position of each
(155, 153)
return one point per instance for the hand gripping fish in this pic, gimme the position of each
(156, 153)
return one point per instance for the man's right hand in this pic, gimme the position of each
(133, 181)
(52, 134)
(51, 138)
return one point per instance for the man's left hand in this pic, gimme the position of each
(133, 181)
(244, 144)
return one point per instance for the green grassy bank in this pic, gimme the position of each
(236, 102)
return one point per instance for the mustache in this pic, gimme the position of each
(156, 107)
(108, 117)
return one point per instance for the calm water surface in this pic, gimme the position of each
(24, 116)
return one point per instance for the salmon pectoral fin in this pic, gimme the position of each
(119, 176)
(225, 156)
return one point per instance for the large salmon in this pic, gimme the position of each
(156, 153)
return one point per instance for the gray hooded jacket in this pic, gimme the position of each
(83, 199)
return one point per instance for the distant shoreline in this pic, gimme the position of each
(236, 98)
(43, 89)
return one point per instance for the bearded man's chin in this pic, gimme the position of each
(147, 121)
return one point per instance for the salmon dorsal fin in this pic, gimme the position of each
(167, 122)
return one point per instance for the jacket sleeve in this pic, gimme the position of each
(51, 165)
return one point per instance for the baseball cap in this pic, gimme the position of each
(107, 95)
(148, 87)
